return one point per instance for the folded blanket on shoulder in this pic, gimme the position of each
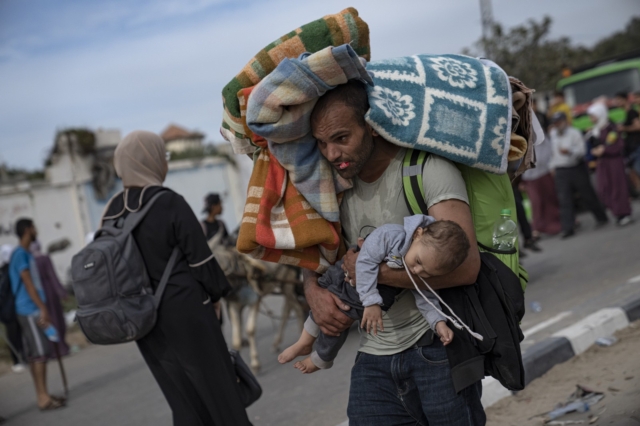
(279, 110)
(279, 226)
(331, 30)
(451, 105)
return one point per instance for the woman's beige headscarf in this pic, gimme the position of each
(140, 159)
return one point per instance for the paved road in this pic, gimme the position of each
(111, 385)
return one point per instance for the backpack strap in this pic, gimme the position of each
(134, 218)
(414, 161)
(157, 297)
(131, 221)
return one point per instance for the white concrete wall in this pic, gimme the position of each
(195, 179)
(106, 138)
(57, 213)
(64, 168)
(181, 145)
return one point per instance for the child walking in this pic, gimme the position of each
(423, 246)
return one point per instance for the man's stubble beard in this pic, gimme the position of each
(365, 152)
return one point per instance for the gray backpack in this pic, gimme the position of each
(116, 303)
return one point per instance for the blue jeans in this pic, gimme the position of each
(413, 387)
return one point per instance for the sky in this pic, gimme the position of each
(145, 64)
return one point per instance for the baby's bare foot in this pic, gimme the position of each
(293, 351)
(306, 366)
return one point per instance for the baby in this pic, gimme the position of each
(430, 248)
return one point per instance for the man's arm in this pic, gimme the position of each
(33, 294)
(326, 307)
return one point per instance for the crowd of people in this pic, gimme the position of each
(597, 171)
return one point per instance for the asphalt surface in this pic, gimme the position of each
(112, 386)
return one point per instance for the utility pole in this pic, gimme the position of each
(486, 14)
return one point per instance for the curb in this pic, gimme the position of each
(565, 344)
(542, 356)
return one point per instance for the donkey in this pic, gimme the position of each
(252, 280)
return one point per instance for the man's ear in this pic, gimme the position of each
(373, 132)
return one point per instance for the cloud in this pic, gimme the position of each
(166, 62)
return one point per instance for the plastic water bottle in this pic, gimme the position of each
(51, 333)
(505, 232)
(536, 307)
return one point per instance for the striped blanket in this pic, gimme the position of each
(331, 30)
(279, 109)
(279, 226)
(292, 211)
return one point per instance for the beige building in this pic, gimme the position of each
(178, 139)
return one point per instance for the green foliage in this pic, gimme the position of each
(527, 52)
(85, 139)
(16, 174)
(618, 43)
(85, 142)
(204, 151)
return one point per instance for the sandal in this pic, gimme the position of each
(61, 399)
(53, 404)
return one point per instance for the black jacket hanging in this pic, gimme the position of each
(493, 307)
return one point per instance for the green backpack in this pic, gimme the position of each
(488, 195)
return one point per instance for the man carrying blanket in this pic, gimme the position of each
(401, 376)
(329, 133)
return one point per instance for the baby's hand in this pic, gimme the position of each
(372, 319)
(445, 333)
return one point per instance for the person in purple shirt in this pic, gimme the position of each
(54, 293)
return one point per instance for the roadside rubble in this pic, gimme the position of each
(581, 400)
(609, 384)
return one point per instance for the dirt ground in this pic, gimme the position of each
(613, 370)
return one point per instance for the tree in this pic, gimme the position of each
(208, 150)
(618, 43)
(527, 52)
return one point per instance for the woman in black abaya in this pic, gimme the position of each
(186, 351)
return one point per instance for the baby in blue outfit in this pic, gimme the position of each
(423, 246)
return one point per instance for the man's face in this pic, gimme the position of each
(561, 125)
(216, 209)
(342, 140)
(33, 233)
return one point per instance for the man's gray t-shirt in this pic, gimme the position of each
(369, 205)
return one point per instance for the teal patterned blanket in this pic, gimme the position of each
(451, 105)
